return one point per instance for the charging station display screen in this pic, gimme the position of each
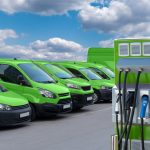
(135, 49)
(123, 49)
(146, 49)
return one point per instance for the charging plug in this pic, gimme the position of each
(117, 108)
(145, 101)
(130, 99)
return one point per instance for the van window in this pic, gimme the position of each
(101, 73)
(35, 73)
(108, 71)
(77, 73)
(92, 75)
(58, 72)
(9, 73)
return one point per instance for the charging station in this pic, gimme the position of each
(130, 103)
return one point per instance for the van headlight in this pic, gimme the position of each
(4, 107)
(103, 87)
(46, 93)
(73, 86)
(106, 87)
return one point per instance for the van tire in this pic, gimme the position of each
(96, 97)
(33, 112)
(77, 108)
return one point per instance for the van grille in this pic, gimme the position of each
(63, 94)
(86, 88)
(20, 107)
(65, 101)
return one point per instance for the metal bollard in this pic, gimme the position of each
(114, 142)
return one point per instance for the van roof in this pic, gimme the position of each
(87, 64)
(14, 61)
(72, 65)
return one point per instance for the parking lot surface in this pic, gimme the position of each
(88, 129)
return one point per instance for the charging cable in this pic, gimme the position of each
(119, 100)
(125, 94)
(117, 119)
(133, 109)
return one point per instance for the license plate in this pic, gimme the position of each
(89, 98)
(66, 106)
(24, 115)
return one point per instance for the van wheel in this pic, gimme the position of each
(78, 108)
(95, 97)
(33, 112)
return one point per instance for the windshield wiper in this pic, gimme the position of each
(67, 78)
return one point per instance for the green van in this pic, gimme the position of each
(43, 93)
(81, 91)
(14, 109)
(102, 89)
(103, 56)
(103, 71)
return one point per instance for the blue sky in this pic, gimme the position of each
(44, 27)
(65, 29)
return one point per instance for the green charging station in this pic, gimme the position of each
(131, 106)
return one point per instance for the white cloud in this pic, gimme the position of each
(7, 33)
(140, 29)
(46, 7)
(51, 49)
(122, 17)
(110, 42)
(106, 18)
(57, 45)
(107, 43)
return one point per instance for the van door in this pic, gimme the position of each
(9, 78)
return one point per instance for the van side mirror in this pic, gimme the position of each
(83, 77)
(86, 79)
(56, 81)
(22, 81)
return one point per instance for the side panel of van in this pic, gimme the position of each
(8, 75)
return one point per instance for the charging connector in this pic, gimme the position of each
(145, 101)
(130, 99)
(117, 108)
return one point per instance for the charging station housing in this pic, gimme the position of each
(134, 55)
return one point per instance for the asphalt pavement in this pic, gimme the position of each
(88, 129)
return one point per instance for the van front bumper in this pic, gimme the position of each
(79, 100)
(15, 117)
(106, 94)
(63, 106)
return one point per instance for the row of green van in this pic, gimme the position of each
(40, 88)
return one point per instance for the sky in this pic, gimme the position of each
(65, 29)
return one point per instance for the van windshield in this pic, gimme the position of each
(58, 72)
(101, 73)
(109, 72)
(91, 75)
(35, 73)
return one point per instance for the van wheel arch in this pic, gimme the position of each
(98, 95)
(33, 111)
